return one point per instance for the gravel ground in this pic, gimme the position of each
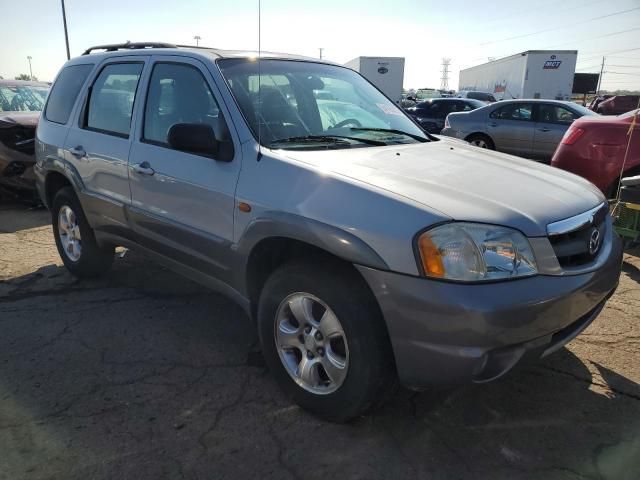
(143, 374)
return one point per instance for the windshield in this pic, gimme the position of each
(22, 98)
(314, 105)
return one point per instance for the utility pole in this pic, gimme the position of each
(30, 71)
(321, 49)
(600, 78)
(66, 35)
(444, 80)
(197, 38)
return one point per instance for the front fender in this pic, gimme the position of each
(329, 238)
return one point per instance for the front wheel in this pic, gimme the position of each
(75, 239)
(324, 339)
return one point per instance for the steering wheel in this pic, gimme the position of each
(347, 121)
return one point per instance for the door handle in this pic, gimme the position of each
(493, 124)
(143, 168)
(78, 152)
(544, 130)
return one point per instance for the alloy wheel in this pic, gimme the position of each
(311, 343)
(69, 233)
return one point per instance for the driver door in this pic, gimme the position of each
(183, 203)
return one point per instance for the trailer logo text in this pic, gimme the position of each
(552, 64)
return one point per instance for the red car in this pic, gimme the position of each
(594, 148)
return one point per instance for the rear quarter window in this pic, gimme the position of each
(65, 92)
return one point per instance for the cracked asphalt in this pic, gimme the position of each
(143, 374)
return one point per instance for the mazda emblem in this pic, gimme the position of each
(594, 241)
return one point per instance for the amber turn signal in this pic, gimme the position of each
(430, 256)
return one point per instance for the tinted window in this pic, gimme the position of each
(513, 111)
(485, 97)
(65, 91)
(179, 93)
(470, 104)
(111, 102)
(555, 114)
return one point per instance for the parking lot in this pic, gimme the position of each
(144, 374)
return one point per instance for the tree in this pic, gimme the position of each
(24, 76)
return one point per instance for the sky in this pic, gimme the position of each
(467, 31)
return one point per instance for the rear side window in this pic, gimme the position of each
(111, 102)
(65, 91)
(513, 111)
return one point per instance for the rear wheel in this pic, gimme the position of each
(481, 141)
(75, 239)
(324, 339)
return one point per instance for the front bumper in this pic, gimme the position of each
(449, 333)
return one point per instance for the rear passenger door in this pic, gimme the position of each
(551, 123)
(98, 142)
(183, 203)
(511, 128)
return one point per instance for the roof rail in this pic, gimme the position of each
(128, 46)
(201, 47)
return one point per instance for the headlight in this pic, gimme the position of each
(470, 252)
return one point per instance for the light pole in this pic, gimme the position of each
(197, 38)
(30, 71)
(321, 49)
(66, 35)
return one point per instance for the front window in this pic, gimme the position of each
(295, 104)
(22, 98)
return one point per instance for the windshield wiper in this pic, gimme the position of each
(328, 138)
(390, 130)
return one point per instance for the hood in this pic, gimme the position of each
(25, 119)
(464, 182)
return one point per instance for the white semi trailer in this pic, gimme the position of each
(386, 73)
(531, 74)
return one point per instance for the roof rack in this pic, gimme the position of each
(128, 46)
(201, 47)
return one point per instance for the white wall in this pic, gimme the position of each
(550, 83)
(386, 73)
(503, 78)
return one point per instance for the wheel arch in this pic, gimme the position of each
(278, 238)
(480, 133)
(54, 181)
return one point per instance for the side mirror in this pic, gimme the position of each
(196, 138)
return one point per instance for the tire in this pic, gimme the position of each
(75, 239)
(363, 349)
(481, 141)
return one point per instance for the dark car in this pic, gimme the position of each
(20, 105)
(618, 104)
(431, 113)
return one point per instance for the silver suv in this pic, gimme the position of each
(365, 249)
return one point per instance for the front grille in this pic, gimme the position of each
(572, 247)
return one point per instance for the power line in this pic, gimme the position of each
(607, 53)
(622, 73)
(562, 27)
(598, 36)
